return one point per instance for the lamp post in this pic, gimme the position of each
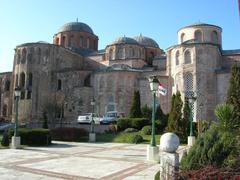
(16, 138)
(92, 134)
(191, 138)
(152, 151)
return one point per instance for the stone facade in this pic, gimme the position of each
(64, 77)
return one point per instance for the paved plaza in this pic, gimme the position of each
(64, 160)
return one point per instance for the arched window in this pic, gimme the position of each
(87, 81)
(88, 43)
(182, 37)
(131, 52)
(7, 85)
(4, 110)
(81, 41)
(30, 79)
(177, 58)
(120, 52)
(59, 85)
(215, 37)
(188, 82)
(22, 80)
(110, 54)
(198, 36)
(187, 57)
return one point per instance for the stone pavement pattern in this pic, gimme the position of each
(83, 161)
(77, 161)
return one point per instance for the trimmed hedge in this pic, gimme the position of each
(136, 123)
(130, 130)
(36, 137)
(68, 134)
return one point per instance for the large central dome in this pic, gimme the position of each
(76, 26)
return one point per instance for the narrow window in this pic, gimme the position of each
(182, 37)
(87, 81)
(88, 43)
(7, 85)
(16, 80)
(187, 57)
(81, 41)
(57, 41)
(215, 37)
(63, 40)
(30, 79)
(22, 80)
(198, 36)
(110, 54)
(177, 58)
(29, 94)
(59, 85)
(22, 94)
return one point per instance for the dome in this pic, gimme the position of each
(200, 24)
(125, 40)
(146, 41)
(76, 26)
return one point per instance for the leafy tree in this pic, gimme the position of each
(175, 116)
(135, 111)
(146, 112)
(234, 93)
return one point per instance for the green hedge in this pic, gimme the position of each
(68, 134)
(36, 137)
(136, 123)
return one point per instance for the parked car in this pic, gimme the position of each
(111, 117)
(87, 118)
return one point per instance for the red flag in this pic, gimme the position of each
(162, 90)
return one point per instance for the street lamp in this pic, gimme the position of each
(152, 151)
(16, 138)
(92, 121)
(92, 135)
(191, 99)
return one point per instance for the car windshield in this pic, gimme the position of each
(111, 115)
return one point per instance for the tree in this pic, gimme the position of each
(161, 119)
(234, 93)
(175, 116)
(146, 112)
(224, 113)
(185, 122)
(135, 111)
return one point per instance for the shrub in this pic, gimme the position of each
(136, 138)
(146, 130)
(68, 134)
(214, 147)
(5, 139)
(130, 130)
(146, 112)
(157, 176)
(36, 137)
(136, 123)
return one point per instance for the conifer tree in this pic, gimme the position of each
(146, 112)
(185, 122)
(233, 96)
(135, 111)
(175, 116)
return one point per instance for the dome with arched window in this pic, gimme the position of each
(146, 41)
(77, 27)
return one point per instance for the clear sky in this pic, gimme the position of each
(24, 21)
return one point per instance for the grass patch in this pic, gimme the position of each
(124, 138)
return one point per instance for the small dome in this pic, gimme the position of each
(169, 142)
(124, 40)
(146, 41)
(76, 26)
